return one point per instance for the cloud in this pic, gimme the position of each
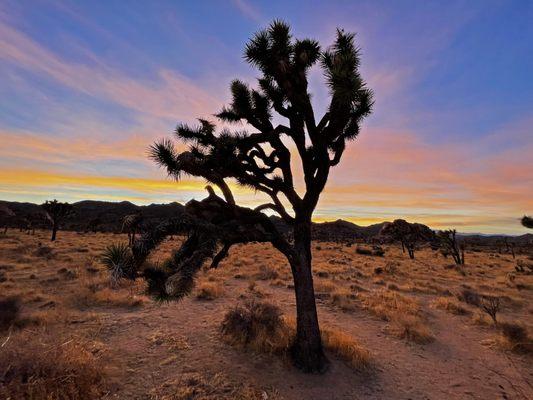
(248, 10)
(171, 95)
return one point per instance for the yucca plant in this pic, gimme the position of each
(118, 259)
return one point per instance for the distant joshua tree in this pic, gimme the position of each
(56, 212)
(409, 235)
(527, 221)
(6, 217)
(262, 161)
(131, 224)
(451, 246)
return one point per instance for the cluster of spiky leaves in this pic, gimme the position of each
(118, 259)
(57, 210)
(527, 221)
(261, 160)
(210, 224)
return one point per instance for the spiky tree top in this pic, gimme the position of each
(404, 231)
(56, 210)
(261, 159)
(527, 221)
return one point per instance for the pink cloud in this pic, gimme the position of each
(170, 95)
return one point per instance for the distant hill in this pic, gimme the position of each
(107, 216)
(99, 215)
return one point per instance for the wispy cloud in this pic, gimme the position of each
(170, 95)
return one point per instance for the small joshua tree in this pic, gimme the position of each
(56, 213)
(263, 161)
(527, 221)
(409, 235)
(131, 224)
(450, 245)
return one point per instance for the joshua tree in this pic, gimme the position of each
(56, 212)
(262, 160)
(131, 224)
(450, 245)
(527, 221)
(409, 235)
(7, 217)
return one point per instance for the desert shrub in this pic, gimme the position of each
(209, 291)
(258, 326)
(266, 273)
(95, 294)
(43, 367)
(515, 337)
(44, 251)
(392, 286)
(9, 312)
(411, 328)
(391, 267)
(450, 305)
(67, 273)
(378, 251)
(346, 348)
(402, 312)
(363, 251)
(469, 297)
(491, 305)
(344, 299)
(322, 286)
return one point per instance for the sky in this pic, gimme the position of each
(87, 86)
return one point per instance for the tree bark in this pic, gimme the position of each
(54, 232)
(307, 350)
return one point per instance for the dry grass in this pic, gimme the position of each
(70, 290)
(344, 299)
(411, 328)
(89, 297)
(450, 305)
(346, 348)
(258, 326)
(197, 386)
(43, 367)
(514, 337)
(403, 313)
(209, 291)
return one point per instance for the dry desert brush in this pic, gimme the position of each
(262, 158)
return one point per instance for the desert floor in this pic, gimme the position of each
(424, 340)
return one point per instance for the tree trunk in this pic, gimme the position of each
(54, 232)
(307, 350)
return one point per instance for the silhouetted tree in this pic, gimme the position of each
(7, 216)
(448, 241)
(56, 212)
(409, 235)
(131, 224)
(262, 160)
(527, 221)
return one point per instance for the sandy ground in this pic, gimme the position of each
(147, 348)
